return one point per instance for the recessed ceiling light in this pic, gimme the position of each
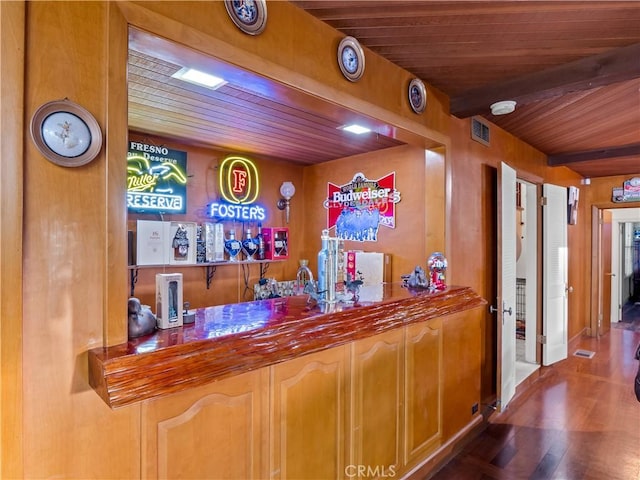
(357, 129)
(197, 77)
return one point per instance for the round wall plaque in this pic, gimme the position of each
(65, 133)
(250, 16)
(417, 95)
(351, 58)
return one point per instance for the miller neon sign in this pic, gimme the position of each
(156, 179)
(239, 185)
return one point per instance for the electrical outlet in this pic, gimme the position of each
(474, 408)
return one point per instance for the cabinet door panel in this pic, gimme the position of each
(377, 366)
(461, 362)
(217, 431)
(309, 416)
(423, 364)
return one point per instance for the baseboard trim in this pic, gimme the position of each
(438, 459)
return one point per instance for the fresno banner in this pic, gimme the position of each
(358, 208)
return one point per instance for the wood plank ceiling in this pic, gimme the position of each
(248, 114)
(564, 62)
(572, 67)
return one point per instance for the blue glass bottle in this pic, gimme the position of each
(249, 245)
(232, 246)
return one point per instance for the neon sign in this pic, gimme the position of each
(359, 207)
(239, 185)
(238, 179)
(229, 211)
(156, 179)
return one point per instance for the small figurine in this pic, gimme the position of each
(311, 289)
(418, 278)
(141, 320)
(353, 287)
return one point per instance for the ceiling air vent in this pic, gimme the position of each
(479, 131)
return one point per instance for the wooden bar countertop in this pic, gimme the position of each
(228, 340)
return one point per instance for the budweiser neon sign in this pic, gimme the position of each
(358, 208)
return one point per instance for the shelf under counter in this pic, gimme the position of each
(228, 340)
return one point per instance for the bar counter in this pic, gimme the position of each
(228, 340)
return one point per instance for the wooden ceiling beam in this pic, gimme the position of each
(599, 154)
(604, 69)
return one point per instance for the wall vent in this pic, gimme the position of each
(480, 131)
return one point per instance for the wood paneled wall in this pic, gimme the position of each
(414, 238)
(67, 431)
(228, 284)
(12, 32)
(73, 260)
(473, 225)
(75, 269)
(419, 228)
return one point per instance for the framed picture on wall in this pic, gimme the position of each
(572, 206)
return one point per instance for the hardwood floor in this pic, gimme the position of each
(578, 419)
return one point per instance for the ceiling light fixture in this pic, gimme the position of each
(355, 128)
(197, 77)
(504, 107)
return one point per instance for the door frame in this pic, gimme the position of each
(596, 263)
(533, 240)
(630, 215)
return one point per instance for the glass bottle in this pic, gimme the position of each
(323, 257)
(260, 241)
(249, 245)
(332, 270)
(341, 275)
(232, 246)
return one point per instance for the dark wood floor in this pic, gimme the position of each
(579, 419)
(631, 310)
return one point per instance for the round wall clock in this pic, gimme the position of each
(65, 133)
(351, 59)
(417, 95)
(250, 16)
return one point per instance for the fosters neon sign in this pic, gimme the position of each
(239, 188)
(156, 179)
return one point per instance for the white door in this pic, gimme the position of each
(531, 270)
(506, 305)
(555, 275)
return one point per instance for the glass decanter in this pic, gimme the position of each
(232, 246)
(249, 245)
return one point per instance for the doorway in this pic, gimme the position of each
(625, 267)
(526, 280)
(517, 280)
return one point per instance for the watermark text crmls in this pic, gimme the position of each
(370, 471)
